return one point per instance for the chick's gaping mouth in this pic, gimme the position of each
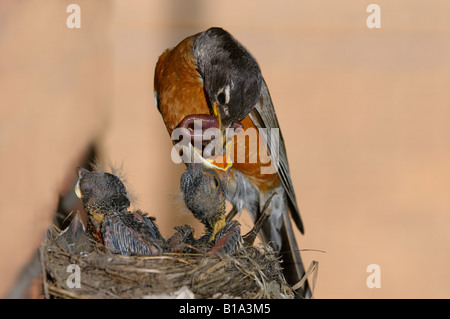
(208, 138)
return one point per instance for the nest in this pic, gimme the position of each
(250, 272)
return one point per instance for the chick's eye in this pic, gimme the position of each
(221, 98)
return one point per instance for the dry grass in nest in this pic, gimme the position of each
(250, 272)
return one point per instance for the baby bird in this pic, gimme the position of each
(106, 202)
(204, 195)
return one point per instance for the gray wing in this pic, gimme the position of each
(118, 234)
(263, 116)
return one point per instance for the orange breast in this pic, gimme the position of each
(178, 85)
(255, 157)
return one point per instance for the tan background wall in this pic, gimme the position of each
(365, 114)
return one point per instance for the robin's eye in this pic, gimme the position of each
(221, 98)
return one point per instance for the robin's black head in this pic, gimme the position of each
(204, 193)
(231, 76)
(101, 191)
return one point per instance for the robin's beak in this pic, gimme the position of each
(223, 161)
(219, 117)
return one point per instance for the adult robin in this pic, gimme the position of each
(210, 77)
(106, 203)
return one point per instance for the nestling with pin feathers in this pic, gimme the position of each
(110, 223)
(106, 203)
(204, 195)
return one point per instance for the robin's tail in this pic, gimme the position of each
(293, 268)
(277, 231)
